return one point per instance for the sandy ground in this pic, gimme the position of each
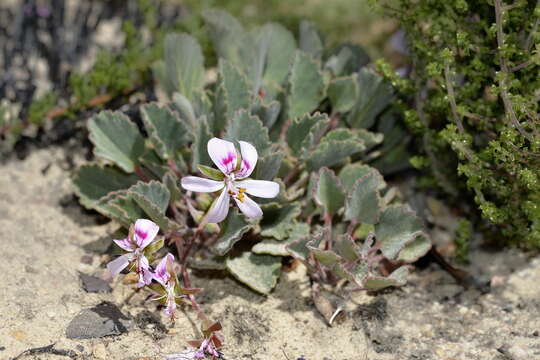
(44, 232)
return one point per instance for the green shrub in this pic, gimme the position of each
(474, 104)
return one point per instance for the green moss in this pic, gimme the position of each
(475, 82)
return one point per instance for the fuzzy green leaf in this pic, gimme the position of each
(184, 63)
(246, 127)
(343, 93)
(329, 192)
(268, 113)
(199, 148)
(306, 85)
(259, 272)
(397, 227)
(415, 249)
(210, 172)
(350, 173)
(364, 203)
(116, 138)
(120, 207)
(325, 257)
(153, 197)
(300, 248)
(332, 152)
(232, 230)
(92, 182)
(233, 93)
(268, 166)
(208, 263)
(396, 278)
(346, 248)
(226, 34)
(279, 247)
(279, 220)
(310, 40)
(151, 165)
(281, 47)
(374, 95)
(171, 182)
(305, 132)
(167, 132)
(185, 108)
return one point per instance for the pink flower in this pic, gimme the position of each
(235, 183)
(164, 275)
(140, 236)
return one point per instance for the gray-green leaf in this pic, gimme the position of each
(364, 205)
(328, 192)
(259, 272)
(167, 132)
(232, 230)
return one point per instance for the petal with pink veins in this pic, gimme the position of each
(249, 159)
(125, 244)
(162, 274)
(145, 232)
(223, 154)
(170, 308)
(145, 275)
(259, 188)
(198, 184)
(118, 264)
(248, 207)
(219, 209)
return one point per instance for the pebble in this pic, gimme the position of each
(102, 320)
(93, 284)
(99, 351)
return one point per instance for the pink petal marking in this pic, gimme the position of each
(229, 162)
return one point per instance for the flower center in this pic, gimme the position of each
(237, 192)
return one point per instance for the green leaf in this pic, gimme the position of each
(310, 40)
(364, 203)
(305, 132)
(343, 93)
(306, 86)
(199, 148)
(154, 246)
(280, 50)
(300, 248)
(374, 95)
(259, 272)
(279, 247)
(151, 165)
(268, 166)
(350, 173)
(278, 221)
(226, 34)
(120, 207)
(396, 278)
(346, 248)
(246, 127)
(184, 63)
(415, 249)
(167, 132)
(397, 227)
(212, 173)
(346, 59)
(326, 258)
(208, 263)
(232, 230)
(332, 152)
(233, 93)
(268, 113)
(170, 180)
(92, 182)
(328, 192)
(185, 108)
(153, 197)
(116, 138)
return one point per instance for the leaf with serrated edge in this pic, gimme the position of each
(233, 93)
(415, 249)
(310, 40)
(396, 278)
(332, 152)
(153, 197)
(268, 113)
(346, 248)
(299, 248)
(329, 192)
(268, 166)
(278, 220)
(305, 131)
(171, 182)
(167, 132)
(364, 203)
(232, 230)
(246, 127)
(397, 227)
(259, 272)
(184, 63)
(350, 173)
(116, 138)
(199, 148)
(208, 263)
(306, 85)
(279, 247)
(343, 93)
(93, 181)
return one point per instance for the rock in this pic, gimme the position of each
(102, 320)
(99, 351)
(93, 284)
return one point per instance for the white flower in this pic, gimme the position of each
(235, 183)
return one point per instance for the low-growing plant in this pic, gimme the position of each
(474, 95)
(283, 120)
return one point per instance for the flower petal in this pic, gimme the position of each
(198, 184)
(259, 188)
(223, 154)
(145, 275)
(170, 308)
(118, 264)
(162, 274)
(125, 244)
(145, 232)
(219, 209)
(249, 159)
(249, 207)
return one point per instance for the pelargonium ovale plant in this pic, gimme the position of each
(307, 131)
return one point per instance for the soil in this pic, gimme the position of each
(48, 240)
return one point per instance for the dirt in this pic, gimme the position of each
(47, 240)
